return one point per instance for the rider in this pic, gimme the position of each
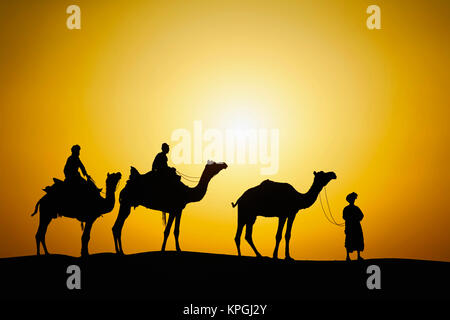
(160, 162)
(160, 165)
(72, 174)
(73, 164)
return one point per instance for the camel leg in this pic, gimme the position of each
(43, 240)
(287, 236)
(167, 230)
(124, 212)
(38, 240)
(40, 234)
(248, 237)
(237, 238)
(85, 238)
(176, 231)
(281, 222)
(38, 245)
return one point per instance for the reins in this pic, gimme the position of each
(332, 220)
(188, 178)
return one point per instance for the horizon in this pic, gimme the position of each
(370, 105)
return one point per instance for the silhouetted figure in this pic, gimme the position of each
(274, 199)
(354, 240)
(73, 165)
(147, 191)
(160, 162)
(165, 174)
(86, 207)
(160, 165)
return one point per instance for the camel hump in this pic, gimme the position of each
(273, 184)
(134, 173)
(269, 188)
(267, 182)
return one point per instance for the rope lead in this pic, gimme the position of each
(188, 178)
(332, 220)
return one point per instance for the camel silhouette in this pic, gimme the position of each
(85, 207)
(149, 193)
(274, 199)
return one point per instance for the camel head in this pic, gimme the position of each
(112, 180)
(212, 168)
(322, 178)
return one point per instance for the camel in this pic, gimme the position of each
(85, 207)
(274, 199)
(141, 191)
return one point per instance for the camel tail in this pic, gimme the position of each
(234, 204)
(36, 208)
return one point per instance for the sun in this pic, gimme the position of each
(243, 113)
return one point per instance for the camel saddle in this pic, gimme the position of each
(155, 187)
(79, 188)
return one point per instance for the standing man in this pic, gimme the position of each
(354, 239)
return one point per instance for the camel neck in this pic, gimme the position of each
(109, 199)
(198, 192)
(308, 199)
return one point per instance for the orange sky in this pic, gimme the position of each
(371, 105)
